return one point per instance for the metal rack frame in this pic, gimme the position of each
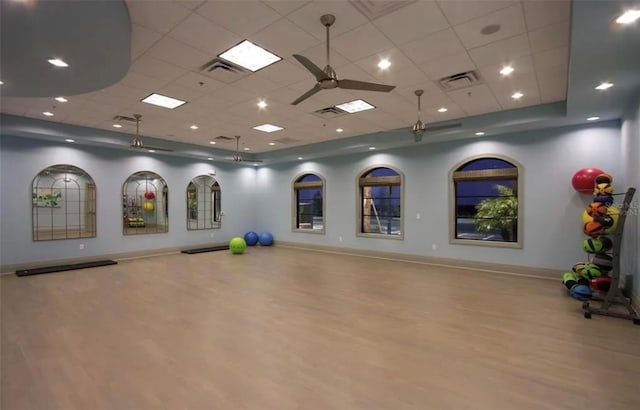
(615, 295)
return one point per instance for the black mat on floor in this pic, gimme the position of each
(62, 268)
(209, 249)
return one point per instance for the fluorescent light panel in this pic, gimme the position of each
(267, 128)
(629, 17)
(250, 56)
(61, 99)
(604, 86)
(57, 62)
(163, 101)
(355, 106)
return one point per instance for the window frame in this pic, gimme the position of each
(486, 175)
(379, 181)
(295, 185)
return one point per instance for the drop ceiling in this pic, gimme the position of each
(170, 41)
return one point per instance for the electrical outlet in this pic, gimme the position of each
(434, 247)
(82, 246)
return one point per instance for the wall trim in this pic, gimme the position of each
(517, 270)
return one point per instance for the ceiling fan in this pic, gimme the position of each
(136, 143)
(327, 78)
(237, 157)
(419, 128)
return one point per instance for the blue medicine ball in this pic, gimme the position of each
(580, 292)
(251, 238)
(266, 239)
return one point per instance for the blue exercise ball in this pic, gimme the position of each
(266, 239)
(251, 238)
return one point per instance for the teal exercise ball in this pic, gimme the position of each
(237, 245)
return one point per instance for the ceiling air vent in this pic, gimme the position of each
(222, 138)
(374, 9)
(124, 118)
(329, 112)
(223, 70)
(460, 80)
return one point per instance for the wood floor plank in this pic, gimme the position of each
(279, 328)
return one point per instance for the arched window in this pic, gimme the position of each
(380, 203)
(63, 204)
(308, 203)
(486, 207)
(203, 203)
(145, 200)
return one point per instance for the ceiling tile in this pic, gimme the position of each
(141, 39)
(137, 81)
(182, 93)
(543, 13)
(501, 51)
(284, 72)
(198, 82)
(557, 57)
(284, 38)
(318, 55)
(308, 18)
(549, 37)
(243, 18)
(204, 35)
(179, 54)
(361, 42)
(190, 4)
(475, 100)
(447, 66)
(157, 69)
(553, 84)
(458, 12)
(432, 48)
(412, 22)
(15, 105)
(257, 85)
(285, 7)
(160, 16)
(510, 20)
(402, 71)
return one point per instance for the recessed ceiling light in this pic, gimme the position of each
(1, 82)
(69, 140)
(117, 126)
(604, 86)
(67, 179)
(210, 159)
(212, 142)
(57, 62)
(517, 95)
(384, 64)
(628, 17)
(355, 106)
(300, 158)
(152, 150)
(249, 56)
(506, 70)
(194, 127)
(593, 118)
(442, 109)
(372, 148)
(246, 148)
(272, 143)
(479, 133)
(163, 101)
(339, 130)
(267, 128)
(48, 113)
(262, 104)
(61, 99)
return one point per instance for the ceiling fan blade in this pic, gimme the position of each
(365, 86)
(308, 94)
(314, 69)
(442, 127)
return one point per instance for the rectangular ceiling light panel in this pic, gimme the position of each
(163, 101)
(355, 106)
(250, 56)
(267, 128)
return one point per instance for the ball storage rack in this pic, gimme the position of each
(614, 295)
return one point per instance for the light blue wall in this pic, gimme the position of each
(552, 209)
(630, 145)
(260, 199)
(21, 159)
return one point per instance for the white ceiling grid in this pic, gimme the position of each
(424, 40)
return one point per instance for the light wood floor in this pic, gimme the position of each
(280, 329)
